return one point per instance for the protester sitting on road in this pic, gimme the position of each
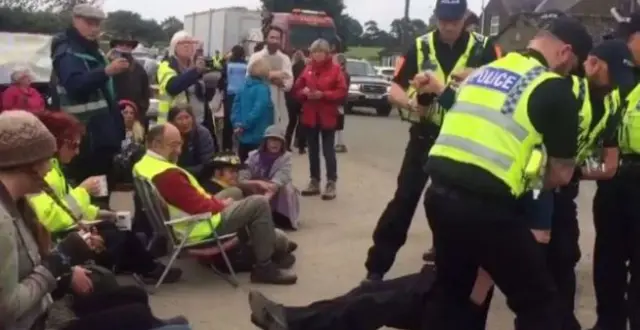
(134, 131)
(61, 207)
(252, 109)
(269, 168)
(321, 89)
(185, 196)
(179, 79)
(83, 81)
(20, 94)
(198, 146)
(132, 147)
(133, 84)
(232, 80)
(30, 266)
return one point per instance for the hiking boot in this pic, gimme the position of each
(292, 246)
(284, 260)
(329, 191)
(176, 320)
(429, 257)
(266, 314)
(173, 275)
(271, 274)
(371, 278)
(341, 148)
(313, 189)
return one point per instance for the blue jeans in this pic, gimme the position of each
(539, 211)
(315, 137)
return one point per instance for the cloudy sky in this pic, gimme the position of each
(382, 11)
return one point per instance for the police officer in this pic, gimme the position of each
(605, 70)
(445, 51)
(488, 154)
(615, 215)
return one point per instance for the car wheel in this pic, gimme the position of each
(348, 109)
(383, 111)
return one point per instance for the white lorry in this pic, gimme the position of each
(221, 29)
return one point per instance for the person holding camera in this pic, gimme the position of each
(180, 80)
(131, 85)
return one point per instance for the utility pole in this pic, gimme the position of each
(482, 18)
(405, 25)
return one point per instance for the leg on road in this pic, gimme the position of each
(390, 233)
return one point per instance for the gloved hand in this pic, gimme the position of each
(70, 251)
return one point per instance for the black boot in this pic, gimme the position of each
(270, 274)
(266, 314)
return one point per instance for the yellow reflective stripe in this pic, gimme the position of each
(493, 116)
(504, 162)
(74, 207)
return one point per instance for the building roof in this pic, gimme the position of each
(560, 5)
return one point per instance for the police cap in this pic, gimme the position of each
(571, 32)
(619, 60)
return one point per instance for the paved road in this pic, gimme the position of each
(334, 238)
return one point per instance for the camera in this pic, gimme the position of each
(120, 54)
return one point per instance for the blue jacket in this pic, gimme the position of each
(252, 110)
(80, 79)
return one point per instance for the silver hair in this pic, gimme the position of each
(320, 45)
(17, 73)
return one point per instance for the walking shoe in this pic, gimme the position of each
(292, 247)
(266, 314)
(284, 260)
(173, 275)
(341, 148)
(176, 320)
(313, 189)
(329, 191)
(270, 274)
(430, 256)
(371, 278)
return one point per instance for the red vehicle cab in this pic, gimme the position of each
(303, 27)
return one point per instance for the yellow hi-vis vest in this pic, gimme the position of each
(489, 125)
(151, 165)
(77, 200)
(217, 61)
(589, 138)
(166, 101)
(629, 131)
(435, 111)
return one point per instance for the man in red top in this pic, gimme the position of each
(253, 213)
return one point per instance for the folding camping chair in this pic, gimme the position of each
(156, 211)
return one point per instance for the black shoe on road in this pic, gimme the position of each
(173, 275)
(371, 278)
(265, 313)
(271, 274)
(429, 257)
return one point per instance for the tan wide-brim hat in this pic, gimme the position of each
(24, 139)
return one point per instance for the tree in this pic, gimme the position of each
(46, 5)
(351, 29)
(127, 24)
(171, 25)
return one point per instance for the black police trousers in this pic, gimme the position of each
(563, 251)
(398, 303)
(616, 257)
(473, 230)
(390, 233)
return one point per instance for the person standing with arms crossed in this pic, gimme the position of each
(513, 128)
(448, 50)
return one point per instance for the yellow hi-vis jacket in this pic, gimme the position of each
(165, 101)
(77, 200)
(629, 131)
(151, 165)
(588, 137)
(489, 125)
(431, 63)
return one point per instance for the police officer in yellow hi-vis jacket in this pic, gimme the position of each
(447, 50)
(61, 206)
(616, 265)
(513, 128)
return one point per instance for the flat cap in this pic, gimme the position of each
(88, 11)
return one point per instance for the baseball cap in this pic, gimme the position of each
(571, 32)
(451, 10)
(629, 26)
(619, 60)
(88, 11)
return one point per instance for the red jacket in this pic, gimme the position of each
(326, 77)
(175, 188)
(16, 98)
